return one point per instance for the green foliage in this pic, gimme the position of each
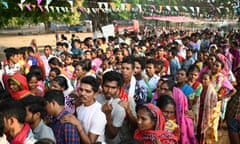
(14, 16)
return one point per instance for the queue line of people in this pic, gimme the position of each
(179, 87)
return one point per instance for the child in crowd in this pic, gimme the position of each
(54, 72)
(68, 66)
(32, 80)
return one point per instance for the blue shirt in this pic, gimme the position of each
(187, 90)
(65, 133)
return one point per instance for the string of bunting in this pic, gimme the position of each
(107, 7)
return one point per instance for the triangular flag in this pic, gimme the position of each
(185, 8)
(51, 8)
(20, 6)
(5, 4)
(123, 6)
(100, 4)
(176, 8)
(105, 5)
(153, 7)
(48, 2)
(28, 6)
(46, 8)
(58, 9)
(39, 2)
(168, 8)
(198, 10)
(160, 8)
(219, 11)
(33, 6)
(139, 7)
(41, 8)
(22, 1)
(66, 9)
(63, 9)
(112, 5)
(88, 10)
(128, 6)
(227, 9)
(93, 10)
(192, 9)
(70, 2)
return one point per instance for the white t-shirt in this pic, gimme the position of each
(92, 119)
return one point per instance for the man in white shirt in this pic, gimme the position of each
(90, 115)
(115, 114)
(47, 56)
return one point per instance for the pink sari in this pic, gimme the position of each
(185, 123)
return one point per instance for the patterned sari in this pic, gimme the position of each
(185, 123)
(209, 113)
(148, 136)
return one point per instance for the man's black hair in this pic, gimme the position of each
(113, 76)
(141, 61)
(129, 60)
(91, 81)
(55, 95)
(35, 104)
(13, 108)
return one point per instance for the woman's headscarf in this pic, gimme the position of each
(185, 123)
(21, 81)
(148, 136)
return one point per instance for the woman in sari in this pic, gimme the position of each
(17, 86)
(183, 115)
(208, 113)
(151, 125)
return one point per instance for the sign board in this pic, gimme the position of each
(108, 30)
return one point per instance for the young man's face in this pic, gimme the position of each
(127, 70)
(110, 89)
(86, 94)
(150, 70)
(47, 51)
(30, 117)
(137, 69)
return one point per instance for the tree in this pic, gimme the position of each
(14, 16)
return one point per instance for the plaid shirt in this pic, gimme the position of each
(65, 133)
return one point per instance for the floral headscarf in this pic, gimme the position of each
(148, 136)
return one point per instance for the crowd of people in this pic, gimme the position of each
(154, 87)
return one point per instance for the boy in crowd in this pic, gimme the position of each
(35, 111)
(12, 114)
(65, 133)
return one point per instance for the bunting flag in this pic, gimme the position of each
(66, 9)
(176, 8)
(139, 7)
(93, 10)
(227, 9)
(123, 6)
(39, 2)
(33, 6)
(41, 8)
(192, 9)
(48, 2)
(185, 8)
(20, 6)
(113, 6)
(105, 4)
(28, 6)
(51, 8)
(46, 8)
(22, 1)
(58, 9)
(5, 4)
(63, 9)
(160, 8)
(168, 8)
(218, 10)
(198, 10)
(153, 7)
(128, 6)
(70, 2)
